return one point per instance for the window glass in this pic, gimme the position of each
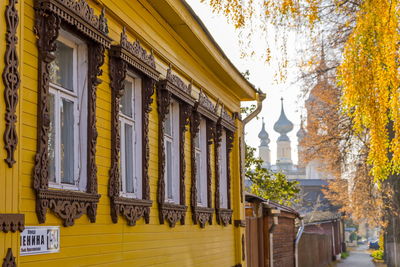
(198, 178)
(197, 141)
(126, 100)
(67, 141)
(61, 69)
(168, 121)
(169, 169)
(171, 145)
(223, 172)
(129, 169)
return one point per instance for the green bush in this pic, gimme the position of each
(377, 254)
(344, 255)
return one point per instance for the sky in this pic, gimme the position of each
(262, 76)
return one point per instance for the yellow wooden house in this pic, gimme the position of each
(121, 136)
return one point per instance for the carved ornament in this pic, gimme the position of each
(132, 209)
(176, 81)
(11, 79)
(224, 215)
(206, 107)
(137, 50)
(66, 204)
(79, 14)
(12, 222)
(177, 87)
(243, 248)
(9, 260)
(172, 212)
(200, 215)
(135, 56)
(226, 120)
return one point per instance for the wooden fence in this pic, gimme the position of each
(315, 250)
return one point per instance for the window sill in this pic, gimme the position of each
(172, 213)
(202, 215)
(66, 204)
(224, 216)
(131, 208)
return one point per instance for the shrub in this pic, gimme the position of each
(377, 254)
(344, 255)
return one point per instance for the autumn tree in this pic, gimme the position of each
(362, 42)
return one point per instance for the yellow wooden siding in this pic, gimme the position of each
(104, 243)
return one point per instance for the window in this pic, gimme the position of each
(223, 188)
(68, 70)
(175, 105)
(171, 143)
(68, 114)
(200, 144)
(131, 138)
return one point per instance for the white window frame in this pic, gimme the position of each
(223, 176)
(201, 174)
(174, 140)
(136, 123)
(78, 96)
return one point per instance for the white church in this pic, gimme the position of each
(284, 161)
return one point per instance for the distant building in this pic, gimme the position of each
(310, 175)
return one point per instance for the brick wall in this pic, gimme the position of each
(283, 243)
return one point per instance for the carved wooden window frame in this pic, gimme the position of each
(133, 56)
(203, 109)
(79, 18)
(172, 87)
(227, 123)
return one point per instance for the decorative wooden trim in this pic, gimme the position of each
(229, 146)
(240, 223)
(185, 112)
(147, 100)
(177, 87)
(79, 14)
(135, 57)
(226, 120)
(68, 205)
(210, 132)
(11, 79)
(205, 107)
(50, 15)
(172, 86)
(11, 222)
(9, 260)
(241, 171)
(224, 215)
(200, 215)
(243, 248)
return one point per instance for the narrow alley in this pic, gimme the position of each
(359, 257)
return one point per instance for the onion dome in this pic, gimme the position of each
(301, 133)
(283, 125)
(263, 135)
